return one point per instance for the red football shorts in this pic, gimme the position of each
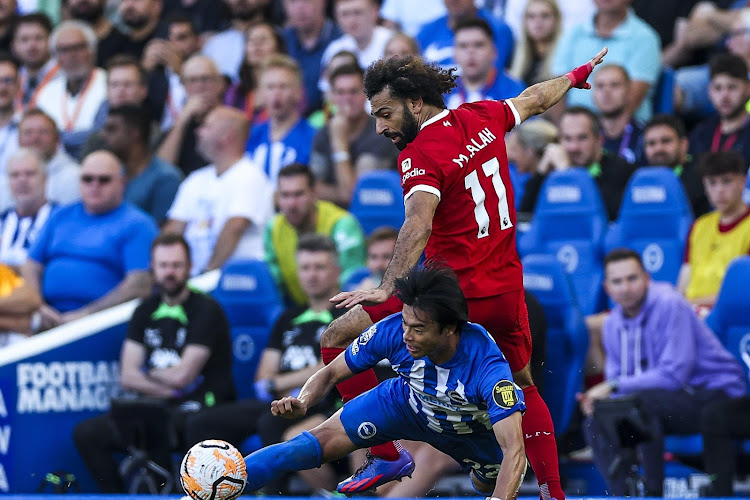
(504, 316)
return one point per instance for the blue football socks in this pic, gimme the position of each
(265, 465)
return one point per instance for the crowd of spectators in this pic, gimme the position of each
(242, 125)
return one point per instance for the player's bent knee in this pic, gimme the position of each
(522, 378)
(334, 442)
(346, 328)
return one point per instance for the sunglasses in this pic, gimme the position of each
(101, 179)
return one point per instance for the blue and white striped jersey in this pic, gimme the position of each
(468, 393)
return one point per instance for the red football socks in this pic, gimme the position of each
(541, 448)
(353, 387)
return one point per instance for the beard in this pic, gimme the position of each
(171, 287)
(408, 132)
(613, 113)
(89, 12)
(246, 12)
(136, 22)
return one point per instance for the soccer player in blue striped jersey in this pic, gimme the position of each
(454, 391)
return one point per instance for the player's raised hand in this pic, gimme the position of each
(370, 297)
(288, 407)
(579, 75)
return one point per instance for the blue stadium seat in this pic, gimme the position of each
(664, 92)
(730, 320)
(378, 200)
(654, 220)
(730, 317)
(567, 338)
(570, 223)
(252, 302)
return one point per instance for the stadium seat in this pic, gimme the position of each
(654, 220)
(378, 200)
(730, 320)
(567, 338)
(570, 223)
(252, 302)
(730, 317)
(664, 92)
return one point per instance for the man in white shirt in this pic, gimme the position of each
(222, 208)
(358, 20)
(19, 226)
(37, 131)
(73, 100)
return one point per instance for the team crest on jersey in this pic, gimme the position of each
(456, 397)
(504, 394)
(365, 337)
(366, 430)
(406, 165)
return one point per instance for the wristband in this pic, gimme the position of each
(341, 156)
(579, 75)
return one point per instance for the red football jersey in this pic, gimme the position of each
(459, 155)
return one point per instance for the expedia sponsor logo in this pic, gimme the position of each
(415, 172)
(406, 165)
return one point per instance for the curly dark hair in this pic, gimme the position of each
(410, 77)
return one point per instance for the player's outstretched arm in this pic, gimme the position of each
(513, 467)
(412, 239)
(314, 389)
(540, 97)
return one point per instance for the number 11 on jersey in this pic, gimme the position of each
(491, 168)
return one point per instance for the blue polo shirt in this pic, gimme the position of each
(271, 157)
(436, 40)
(154, 189)
(499, 86)
(309, 60)
(86, 255)
(634, 45)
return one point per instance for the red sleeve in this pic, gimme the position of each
(418, 174)
(502, 112)
(686, 258)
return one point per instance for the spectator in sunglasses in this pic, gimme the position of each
(93, 254)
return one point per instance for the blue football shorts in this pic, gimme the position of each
(383, 414)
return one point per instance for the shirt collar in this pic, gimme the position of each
(435, 118)
(622, 30)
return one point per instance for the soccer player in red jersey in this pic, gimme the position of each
(459, 210)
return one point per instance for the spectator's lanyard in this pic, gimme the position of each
(627, 133)
(595, 170)
(488, 83)
(69, 122)
(716, 142)
(39, 86)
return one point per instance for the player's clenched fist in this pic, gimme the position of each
(288, 407)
